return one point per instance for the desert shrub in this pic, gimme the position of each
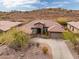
(45, 50)
(37, 44)
(62, 21)
(20, 40)
(73, 38)
(70, 36)
(14, 38)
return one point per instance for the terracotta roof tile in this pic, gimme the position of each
(49, 23)
(6, 25)
(74, 24)
(56, 28)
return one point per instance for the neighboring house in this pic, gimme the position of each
(6, 25)
(44, 27)
(73, 27)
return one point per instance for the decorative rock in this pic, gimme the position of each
(8, 57)
(19, 57)
(22, 55)
(1, 53)
(5, 50)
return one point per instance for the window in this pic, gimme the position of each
(34, 31)
(73, 29)
(70, 27)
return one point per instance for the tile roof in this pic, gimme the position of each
(74, 24)
(56, 28)
(6, 25)
(52, 26)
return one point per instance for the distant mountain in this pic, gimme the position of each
(50, 13)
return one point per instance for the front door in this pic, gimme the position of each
(38, 30)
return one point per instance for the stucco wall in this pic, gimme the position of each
(73, 29)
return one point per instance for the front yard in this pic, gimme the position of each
(74, 39)
(16, 44)
(32, 52)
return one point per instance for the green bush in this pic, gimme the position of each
(70, 36)
(45, 50)
(62, 21)
(14, 38)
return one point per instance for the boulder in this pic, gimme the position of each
(5, 50)
(8, 57)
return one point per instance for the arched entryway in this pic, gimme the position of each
(39, 29)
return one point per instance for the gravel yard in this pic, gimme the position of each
(36, 53)
(33, 52)
(71, 47)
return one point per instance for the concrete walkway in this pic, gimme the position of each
(59, 48)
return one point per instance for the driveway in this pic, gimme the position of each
(59, 48)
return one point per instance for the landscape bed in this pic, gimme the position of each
(18, 45)
(34, 51)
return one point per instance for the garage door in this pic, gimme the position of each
(56, 35)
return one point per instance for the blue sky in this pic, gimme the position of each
(8, 5)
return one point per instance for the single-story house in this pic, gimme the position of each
(73, 27)
(42, 27)
(6, 25)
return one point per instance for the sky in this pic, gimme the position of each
(28, 5)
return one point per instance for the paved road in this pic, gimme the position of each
(59, 48)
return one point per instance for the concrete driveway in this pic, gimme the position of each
(59, 48)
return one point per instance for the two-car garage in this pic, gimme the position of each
(56, 32)
(56, 35)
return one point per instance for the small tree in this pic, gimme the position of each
(62, 21)
(14, 38)
(70, 36)
(21, 39)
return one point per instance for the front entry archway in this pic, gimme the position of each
(38, 30)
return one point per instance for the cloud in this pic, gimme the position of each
(55, 6)
(66, 2)
(76, 0)
(43, 3)
(14, 3)
(63, 2)
(29, 7)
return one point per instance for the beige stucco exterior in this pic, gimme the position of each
(72, 28)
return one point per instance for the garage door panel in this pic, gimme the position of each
(56, 35)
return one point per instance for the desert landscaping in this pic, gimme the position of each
(44, 32)
(39, 40)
